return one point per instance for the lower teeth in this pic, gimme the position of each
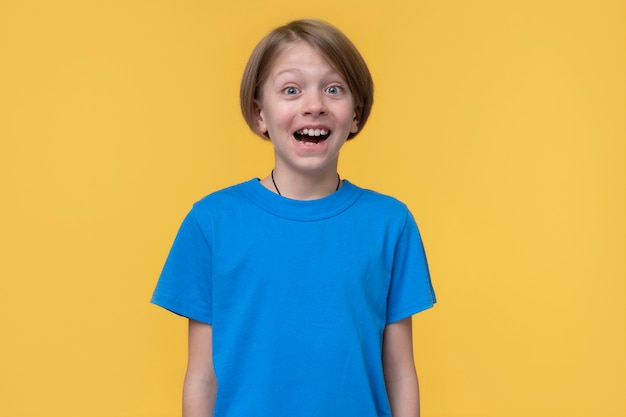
(309, 141)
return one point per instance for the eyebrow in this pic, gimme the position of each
(286, 71)
(298, 71)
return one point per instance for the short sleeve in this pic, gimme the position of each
(411, 290)
(184, 286)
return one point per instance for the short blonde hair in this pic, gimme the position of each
(340, 52)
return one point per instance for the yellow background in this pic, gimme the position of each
(502, 124)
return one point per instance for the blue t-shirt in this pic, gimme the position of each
(298, 294)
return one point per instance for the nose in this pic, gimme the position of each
(313, 104)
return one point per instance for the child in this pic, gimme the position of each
(299, 287)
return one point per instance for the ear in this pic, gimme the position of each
(354, 127)
(260, 120)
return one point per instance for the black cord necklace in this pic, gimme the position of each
(278, 191)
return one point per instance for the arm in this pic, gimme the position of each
(200, 384)
(399, 369)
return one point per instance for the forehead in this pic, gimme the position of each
(300, 56)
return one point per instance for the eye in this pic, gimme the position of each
(291, 91)
(334, 89)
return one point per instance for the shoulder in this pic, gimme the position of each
(217, 207)
(383, 203)
(220, 198)
(382, 211)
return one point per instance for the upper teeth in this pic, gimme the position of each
(313, 132)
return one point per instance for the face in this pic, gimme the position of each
(307, 110)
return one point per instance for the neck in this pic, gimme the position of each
(302, 187)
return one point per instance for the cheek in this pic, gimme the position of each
(347, 115)
(275, 120)
(280, 117)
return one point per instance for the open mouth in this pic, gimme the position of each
(311, 136)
